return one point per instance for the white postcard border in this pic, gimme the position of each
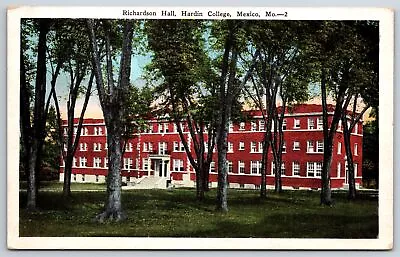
(385, 238)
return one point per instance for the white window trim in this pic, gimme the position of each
(293, 166)
(294, 146)
(241, 143)
(241, 164)
(295, 125)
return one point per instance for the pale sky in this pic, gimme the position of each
(94, 109)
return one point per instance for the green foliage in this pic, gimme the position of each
(51, 148)
(137, 109)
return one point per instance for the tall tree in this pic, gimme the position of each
(230, 36)
(33, 131)
(186, 74)
(335, 51)
(69, 52)
(280, 77)
(363, 87)
(112, 95)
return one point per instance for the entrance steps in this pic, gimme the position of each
(148, 183)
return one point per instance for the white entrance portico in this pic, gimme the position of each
(161, 165)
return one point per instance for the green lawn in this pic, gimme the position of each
(175, 213)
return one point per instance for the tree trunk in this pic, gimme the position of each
(113, 204)
(32, 183)
(350, 164)
(25, 122)
(264, 164)
(199, 183)
(39, 117)
(67, 176)
(222, 201)
(326, 196)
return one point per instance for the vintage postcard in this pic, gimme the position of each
(199, 128)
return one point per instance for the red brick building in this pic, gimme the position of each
(159, 153)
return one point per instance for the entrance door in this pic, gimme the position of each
(165, 168)
(160, 168)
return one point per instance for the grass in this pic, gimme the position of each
(57, 186)
(175, 213)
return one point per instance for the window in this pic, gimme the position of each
(283, 169)
(97, 147)
(83, 147)
(137, 146)
(74, 162)
(82, 161)
(260, 147)
(74, 177)
(314, 169)
(206, 147)
(146, 164)
(129, 147)
(83, 177)
(137, 163)
(241, 146)
(320, 123)
(75, 130)
(178, 147)
(162, 148)
(284, 147)
(145, 147)
(261, 125)
(97, 178)
(230, 167)
(296, 169)
(356, 128)
(318, 169)
(105, 146)
(128, 163)
(310, 169)
(230, 147)
(320, 146)
(253, 126)
(98, 131)
(230, 126)
(176, 127)
(296, 145)
(255, 167)
(338, 169)
(356, 149)
(241, 167)
(339, 149)
(163, 128)
(311, 123)
(296, 123)
(355, 169)
(242, 126)
(253, 148)
(178, 165)
(96, 162)
(310, 146)
(105, 162)
(65, 131)
(212, 167)
(284, 124)
(84, 131)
